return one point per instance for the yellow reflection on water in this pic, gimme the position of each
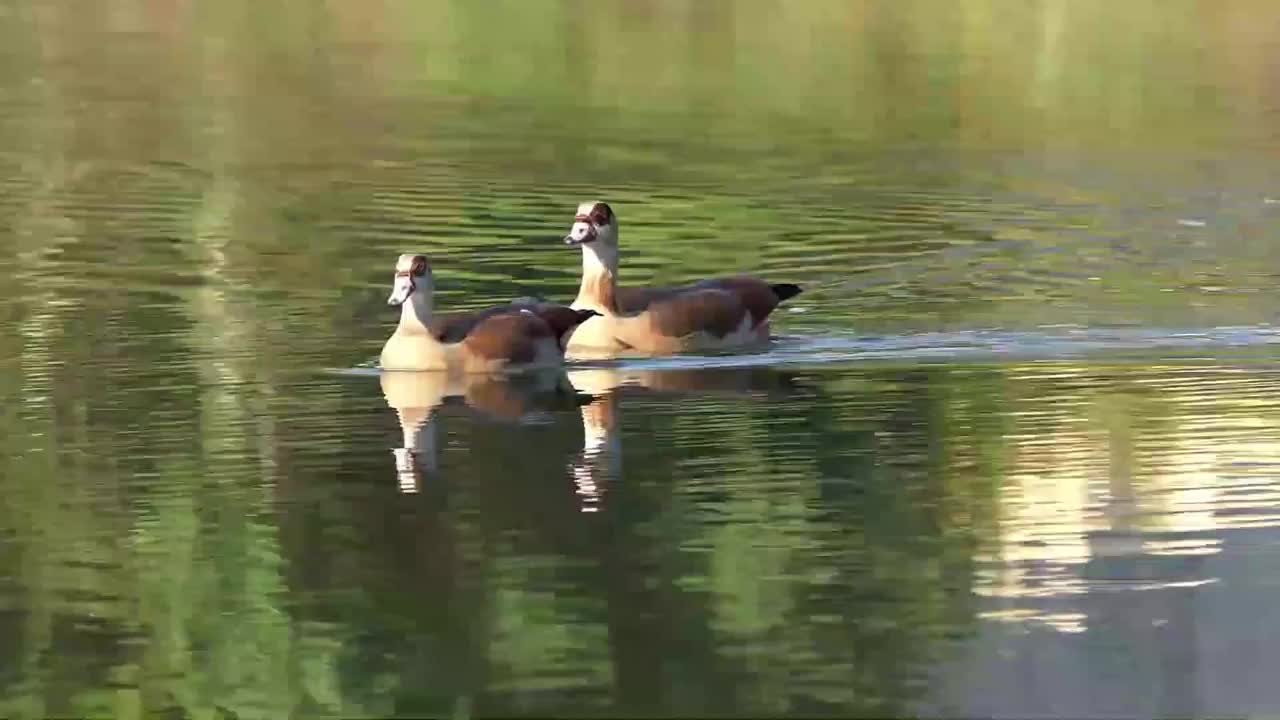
(1126, 461)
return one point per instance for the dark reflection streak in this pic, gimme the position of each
(600, 463)
(469, 613)
(1160, 622)
(404, 565)
(442, 635)
(655, 630)
(883, 486)
(633, 607)
(1178, 648)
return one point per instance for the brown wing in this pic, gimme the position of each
(453, 327)
(757, 296)
(713, 311)
(511, 336)
(562, 319)
(633, 300)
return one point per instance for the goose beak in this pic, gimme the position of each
(401, 290)
(580, 234)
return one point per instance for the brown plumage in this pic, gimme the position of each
(559, 319)
(716, 306)
(512, 337)
(712, 311)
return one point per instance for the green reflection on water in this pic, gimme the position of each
(199, 202)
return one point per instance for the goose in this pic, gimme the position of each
(720, 313)
(521, 334)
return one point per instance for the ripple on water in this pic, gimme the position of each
(983, 346)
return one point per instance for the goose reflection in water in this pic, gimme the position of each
(538, 397)
(599, 464)
(416, 396)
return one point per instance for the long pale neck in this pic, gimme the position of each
(415, 314)
(599, 287)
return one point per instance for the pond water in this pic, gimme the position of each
(1014, 452)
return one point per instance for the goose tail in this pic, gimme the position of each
(785, 291)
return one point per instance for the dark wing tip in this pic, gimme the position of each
(785, 291)
(562, 319)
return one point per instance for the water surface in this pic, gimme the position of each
(1012, 454)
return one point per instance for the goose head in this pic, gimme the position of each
(413, 278)
(595, 230)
